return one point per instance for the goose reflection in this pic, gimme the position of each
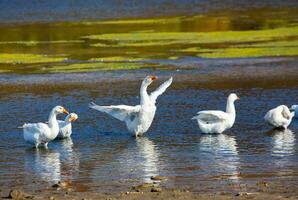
(142, 160)
(220, 155)
(44, 165)
(69, 159)
(283, 142)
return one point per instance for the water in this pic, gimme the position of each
(67, 10)
(102, 156)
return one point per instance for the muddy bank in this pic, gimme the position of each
(262, 190)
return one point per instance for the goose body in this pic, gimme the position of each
(138, 119)
(65, 127)
(216, 121)
(42, 133)
(279, 116)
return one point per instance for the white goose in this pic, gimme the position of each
(281, 116)
(65, 126)
(216, 121)
(295, 108)
(137, 118)
(42, 133)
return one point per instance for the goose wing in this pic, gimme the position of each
(211, 116)
(120, 112)
(160, 90)
(35, 127)
(286, 113)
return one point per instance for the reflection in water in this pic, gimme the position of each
(220, 155)
(141, 160)
(44, 164)
(69, 158)
(283, 142)
(52, 166)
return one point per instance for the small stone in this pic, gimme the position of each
(52, 198)
(18, 195)
(156, 189)
(157, 178)
(56, 185)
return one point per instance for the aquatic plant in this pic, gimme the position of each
(17, 58)
(117, 59)
(160, 38)
(36, 42)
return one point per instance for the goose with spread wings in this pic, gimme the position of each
(216, 121)
(137, 118)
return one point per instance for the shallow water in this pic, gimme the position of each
(102, 156)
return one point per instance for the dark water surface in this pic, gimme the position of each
(102, 156)
(68, 10)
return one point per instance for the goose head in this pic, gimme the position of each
(71, 117)
(148, 80)
(233, 97)
(60, 110)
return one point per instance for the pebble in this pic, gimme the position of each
(158, 178)
(156, 189)
(18, 195)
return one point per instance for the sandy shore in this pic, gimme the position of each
(259, 190)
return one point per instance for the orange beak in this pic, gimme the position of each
(72, 119)
(238, 98)
(65, 111)
(153, 78)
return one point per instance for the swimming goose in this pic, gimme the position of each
(137, 118)
(279, 117)
(42, 133)
(65, 126)
(216, 121)
(295, 108)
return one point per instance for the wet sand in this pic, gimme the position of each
(261, 190)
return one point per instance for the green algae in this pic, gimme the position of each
(136, 21)
(16, 58)
(88, 67)
(249, 52)
(117, 59)
(33, 43)
(133, 43)
(197, 37)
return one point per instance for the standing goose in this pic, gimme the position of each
(42, 133)
(279, 117)
(216, 121)
(137, 118)
(65, 126)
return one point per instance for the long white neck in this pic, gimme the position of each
(145, 99)
(53, 124)
(230, 109)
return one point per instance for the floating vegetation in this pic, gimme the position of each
(249, 52)
(15, 58)
(88, 67)
(116, 59)
(136, 21)
(33, 42)
(134, 43)
(161, 38)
